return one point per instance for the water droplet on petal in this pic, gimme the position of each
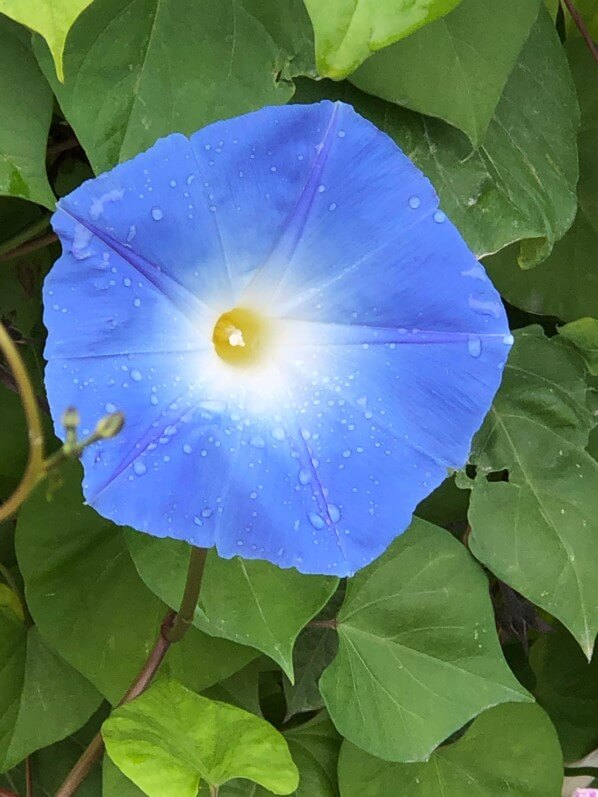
(439, 217)
(474, 345)
(317, 521)
(139, 467)
(304, 476)
(334, 512)
(278, 434)
(257, 442)
(414, 202)
(157, 214)
(206, 512)
(136, 375)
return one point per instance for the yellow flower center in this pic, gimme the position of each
(241, 336)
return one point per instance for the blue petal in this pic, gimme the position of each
(392, 340)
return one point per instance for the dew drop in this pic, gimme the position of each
(439, 217)
(341, 134)
(207, 512)
(414, 202)
(316, 520)
(187, 449)
(139, 468)
(508, 340)
(304, 476)
(332, 206)
(132, 233)
(157, 214)
(334, 512)
(278, 434)
(474, 345)
(136, 302)
(257, 442)
(153, 399)
(110, 407)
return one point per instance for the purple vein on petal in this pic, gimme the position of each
(152, 432)
(188, 304)
(270, 275)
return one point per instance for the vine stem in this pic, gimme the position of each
(35, 464)
(35, 229)
(582, 28)
(28, 778)
(173, 629)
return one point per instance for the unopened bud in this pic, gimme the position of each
(70, 418)
(110, 425)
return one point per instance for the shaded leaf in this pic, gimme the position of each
(418, 653)
(348, 31)
(589, 12)
(567, 688)
(136, 70)
(169, 739)
(27, 102)
(289, 25)
(248, 601)
(89, 603)
(42, 698)
(455, 68)
(51, 765)
(583, 333)
(566, 284)
(509, 749)
(535, 531)
(115, 783)
(520, 184)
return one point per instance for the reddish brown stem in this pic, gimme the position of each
(324, 623)
(30, 246)
(582, 28)
(6, 793)
(28, 778)
(94, 750)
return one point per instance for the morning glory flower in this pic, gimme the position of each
(301, 342)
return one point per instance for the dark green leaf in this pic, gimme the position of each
(418, 654)
(535, 531)
(51, 765)
(115, 783)
(520, 184)
(455, 68)
(42, 698)
(348, 31)
(90, 604)
(583, 333)
(248, 601)
(508, 750)
(136, 70)
(289, 25)
(169, 739)
(566, 284)
(26, 102)
(567, 688)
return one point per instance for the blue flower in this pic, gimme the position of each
(300, 340)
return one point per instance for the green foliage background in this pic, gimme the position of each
(460, 662)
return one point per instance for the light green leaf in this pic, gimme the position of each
(418, 652)
(169, 739)
(455, 68)
(26, 100)
(348, 31)
(508, 750)
(537, 530)
(136, 70)
(115, 783)
(247, 601)
(583, 333)
(520, 184)
(90, 604)
(567, 689)
(566, 284)
(42, 698)
(52, 18)
(314, 747)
